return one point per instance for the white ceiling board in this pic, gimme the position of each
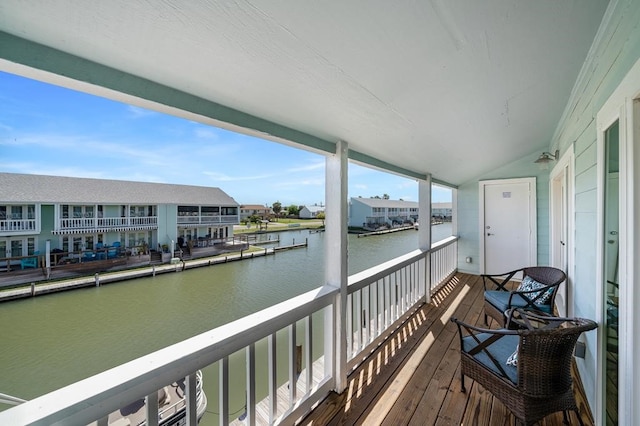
(423, 85)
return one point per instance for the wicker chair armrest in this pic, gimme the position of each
(498, 281)
(527, 318)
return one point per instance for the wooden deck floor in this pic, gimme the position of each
(413, 378)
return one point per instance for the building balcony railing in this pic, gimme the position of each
(377, 299)
(18, 225)
(208, 220)
(107, 223)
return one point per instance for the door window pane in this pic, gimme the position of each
(611, 254)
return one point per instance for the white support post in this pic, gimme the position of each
(223, 393)
(273, 382)
(293, 374)
(190, 393)
(251, 385)
(336, 274)
(454, 211)
(151, 409)
(47, 258)
(309, 353)
(424, 230)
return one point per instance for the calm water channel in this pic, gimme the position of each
(51, 341)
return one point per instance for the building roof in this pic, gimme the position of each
(254, 207)
(441, 205)
(315, 209)
(381, 202)
(17, 188)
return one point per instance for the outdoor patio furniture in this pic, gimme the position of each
(537, 291)
(113, 251)
(100, 251)
(30, 262)
(528, 368)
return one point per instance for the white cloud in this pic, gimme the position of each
(206, 133)
(319, 165)
(137, 112)
(226, 178)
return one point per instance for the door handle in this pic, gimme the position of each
(489, 234)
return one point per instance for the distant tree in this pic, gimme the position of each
(321, 217)
(293, 210)
(377, 197)
(385, 196)
(277, 208)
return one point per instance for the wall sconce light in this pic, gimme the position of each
(546, 158)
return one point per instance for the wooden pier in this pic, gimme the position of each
(386, 231)
(36, 284)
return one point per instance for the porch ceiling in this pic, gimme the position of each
(452, 88)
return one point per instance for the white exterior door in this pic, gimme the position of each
(507, 224)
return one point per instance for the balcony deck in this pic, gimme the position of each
(413, 376)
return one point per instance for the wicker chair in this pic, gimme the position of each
(541, 382)
(498, 299)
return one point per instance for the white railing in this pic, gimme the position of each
(383, 294)
(205, 220)
(107, 222)
(444, 261)
(76, 223)
(18, 225)
(275, 389)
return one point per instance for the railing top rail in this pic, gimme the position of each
(445, 242)
(366, 277)
(362, 279)
(95, 397)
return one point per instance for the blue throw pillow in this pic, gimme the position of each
(529, 284)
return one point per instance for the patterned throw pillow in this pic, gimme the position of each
(513, 358)
(529, 283)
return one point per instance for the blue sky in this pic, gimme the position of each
(50, 130)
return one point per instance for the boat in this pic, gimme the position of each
(172, 408)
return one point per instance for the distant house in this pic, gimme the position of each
(372, 213)
(442, 211)
(79, 214)
(248, 210)
(310, 212)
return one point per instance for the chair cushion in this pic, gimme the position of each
(513, 358)
(500, 299)
(529, 284)
(501, 350)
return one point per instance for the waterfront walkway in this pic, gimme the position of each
(22, 284)
(413, 378)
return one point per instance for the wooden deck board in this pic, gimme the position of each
(413, 377)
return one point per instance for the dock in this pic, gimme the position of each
(386, 231)
(34, 285)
